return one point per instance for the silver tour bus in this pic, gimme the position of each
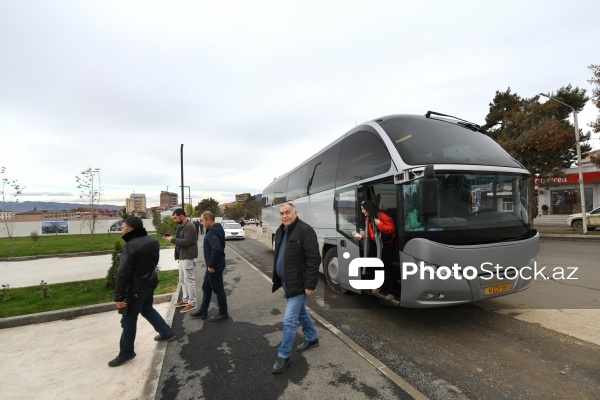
(458, 200)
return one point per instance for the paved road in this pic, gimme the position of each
(66, 269)
(232, 359)
(470, 352)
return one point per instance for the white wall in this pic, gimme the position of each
(76, 227)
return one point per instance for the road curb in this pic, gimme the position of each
(151, 384)
(68, 313)
(570, 237)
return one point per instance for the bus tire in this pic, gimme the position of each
(331, 269)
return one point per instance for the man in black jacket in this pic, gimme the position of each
(296, 268)
(134, 289)
(214, 258)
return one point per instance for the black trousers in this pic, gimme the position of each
(391, 273)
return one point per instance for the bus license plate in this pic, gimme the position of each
(505, 287)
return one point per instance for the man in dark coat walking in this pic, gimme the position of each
(134, 289)
(296, 268)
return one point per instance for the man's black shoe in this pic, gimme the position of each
(161, 338)
(218, 317)
(199, 314)
(307, 345)
(280, 365)
(120, 360)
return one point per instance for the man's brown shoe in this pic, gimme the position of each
(181, 304)
(391, 297)
(187, 308)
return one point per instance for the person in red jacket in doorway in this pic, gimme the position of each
(381, 233)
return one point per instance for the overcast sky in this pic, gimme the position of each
(253, 88)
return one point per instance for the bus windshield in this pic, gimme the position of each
(422, 141)
(474, 207)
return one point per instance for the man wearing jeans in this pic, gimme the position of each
(214, 258)
(296, 268)
(186, 251)
(134, 288)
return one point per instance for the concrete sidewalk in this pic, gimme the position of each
(67, 359)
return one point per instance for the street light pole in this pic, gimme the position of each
(578, 148)
(182, 187)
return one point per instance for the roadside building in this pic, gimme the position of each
(135, 203)
(168, 200)
(6, 215)
(562, 193)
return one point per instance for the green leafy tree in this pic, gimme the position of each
(156, 221)
(252, 208)
(540, 136)
(111, 275)
(164, 224)
(209, 204)
(90, 191)
(123, 213)
(189, 210)
(595, 125)
(9, 192)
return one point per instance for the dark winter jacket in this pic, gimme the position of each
(214, 246)
(301, 259)
(188, 240)
(137, 266)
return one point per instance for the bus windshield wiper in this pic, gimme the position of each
(461, 122)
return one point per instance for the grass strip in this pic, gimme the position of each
(30, 300)
(61, 244)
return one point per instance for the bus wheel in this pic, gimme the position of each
(332, 271)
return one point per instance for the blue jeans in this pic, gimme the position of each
(214, 283)
(295, 312)
(140, 303)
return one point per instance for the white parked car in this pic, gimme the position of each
(575, 221)
(227, 221)
(233, 231)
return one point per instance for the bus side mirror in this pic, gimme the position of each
(428, 193)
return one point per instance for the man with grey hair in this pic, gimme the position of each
(214, 258)
(296, 268)
(186, 251)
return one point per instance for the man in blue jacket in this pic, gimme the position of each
(214, 258)
(296, 268)
(134, 289)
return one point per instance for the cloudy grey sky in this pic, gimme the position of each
(253, 88)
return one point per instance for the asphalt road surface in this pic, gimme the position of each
(475, 351)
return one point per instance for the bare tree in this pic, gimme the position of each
(10, 192)
(90, 192)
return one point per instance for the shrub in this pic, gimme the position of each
(111, 275)
(545, 207)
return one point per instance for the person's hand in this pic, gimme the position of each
(308, 291)
(356, 235)
(377, 221)
(121, 304)
(168, 238)
(211, 270)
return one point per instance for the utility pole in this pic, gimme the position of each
(182, 188)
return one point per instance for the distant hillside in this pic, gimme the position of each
(50, 205)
